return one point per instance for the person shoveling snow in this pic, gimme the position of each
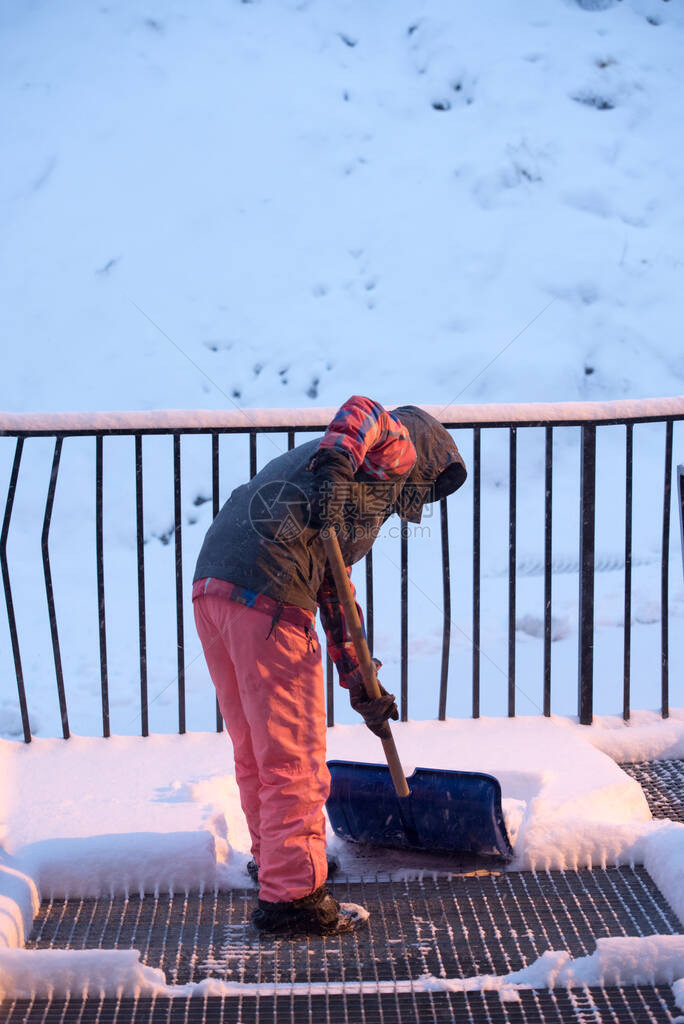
(260, 575)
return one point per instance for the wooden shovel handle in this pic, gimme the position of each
(370, 681)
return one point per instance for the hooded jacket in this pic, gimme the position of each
(439, 469)
(261, 538)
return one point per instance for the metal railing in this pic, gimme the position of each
(589, 418)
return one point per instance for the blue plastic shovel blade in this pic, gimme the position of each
(446, 811)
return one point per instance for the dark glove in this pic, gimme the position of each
(333, 474)
(375, 710)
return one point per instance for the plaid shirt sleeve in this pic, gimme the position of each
(378, 443)
(340, 644)
(374, 439)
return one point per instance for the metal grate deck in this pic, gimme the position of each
(663, 786)
(448, 926)
(556, 1006)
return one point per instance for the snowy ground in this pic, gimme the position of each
(315, 199)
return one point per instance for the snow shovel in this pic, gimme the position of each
(434, 810)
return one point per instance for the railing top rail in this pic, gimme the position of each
(274, 420)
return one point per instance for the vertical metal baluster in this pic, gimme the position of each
(446, 597)
(49, 591)
(585, 698)
(102, 621)
(512, 487)
(369, 599)
(252, 454)
(179, 580)
(476, 569)
(665, 577)
(330, 689)
(12, 622)
(548, 566)
(627, 632)
(680, 502)
(140, 543)
(215, 512)
(404, 622)
(215, 478)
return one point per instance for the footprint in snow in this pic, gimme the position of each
(533, 625)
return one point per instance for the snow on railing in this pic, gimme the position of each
(189, 420)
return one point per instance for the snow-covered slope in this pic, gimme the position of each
(313, 199)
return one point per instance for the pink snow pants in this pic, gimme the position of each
(270, 691)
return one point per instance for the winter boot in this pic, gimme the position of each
(253, 868)
(316, 914)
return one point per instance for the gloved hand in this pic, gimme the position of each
(333, 474)
(375, 710)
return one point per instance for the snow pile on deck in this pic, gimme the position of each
(126, 814)
(46, 973)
